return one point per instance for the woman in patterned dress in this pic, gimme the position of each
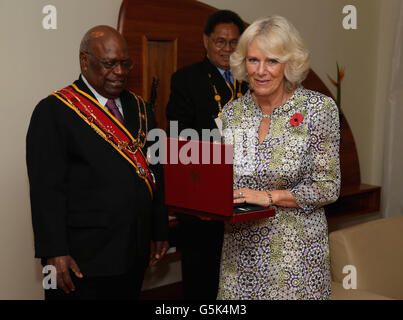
(286, 155)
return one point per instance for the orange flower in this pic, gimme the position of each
(334, 82)
(341, 74)
(340, 77)
(337, 84)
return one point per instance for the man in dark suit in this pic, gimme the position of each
(96, 204)
(198, 94)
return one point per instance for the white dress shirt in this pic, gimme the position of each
(102, 100)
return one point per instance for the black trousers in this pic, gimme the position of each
(200, 242)
(120, 287)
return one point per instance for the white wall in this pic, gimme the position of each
(35, 62)
(386, 35)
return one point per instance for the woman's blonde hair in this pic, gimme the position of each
(279, 40)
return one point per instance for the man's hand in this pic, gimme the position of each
(63, 264)
(158, 250)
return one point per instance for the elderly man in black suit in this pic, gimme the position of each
(198, 94)
(96, 203)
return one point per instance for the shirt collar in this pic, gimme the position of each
(101, 99)
(219, 69)
(223, 70)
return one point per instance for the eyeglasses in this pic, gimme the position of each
(112, 64)
(221, 43)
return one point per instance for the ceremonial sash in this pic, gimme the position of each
(110, 129)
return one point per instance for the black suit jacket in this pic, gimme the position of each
(87, 200)
(192, 102)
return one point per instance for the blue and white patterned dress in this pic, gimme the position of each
(286, 256)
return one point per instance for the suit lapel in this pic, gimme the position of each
(130, 113)
(218, 81)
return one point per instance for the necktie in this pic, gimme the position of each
(113, 108)
(228, 77)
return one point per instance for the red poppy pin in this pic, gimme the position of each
(296, 119)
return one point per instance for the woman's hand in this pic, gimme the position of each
(282, 198)
(247, 195)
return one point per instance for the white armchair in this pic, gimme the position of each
(375, 250)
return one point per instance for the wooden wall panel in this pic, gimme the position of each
(161, 62)
(162, 20)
